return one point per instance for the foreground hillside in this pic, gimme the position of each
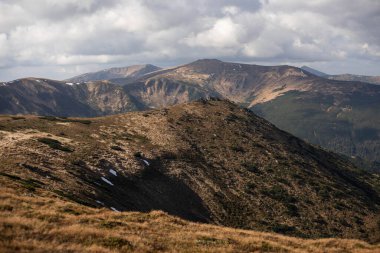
(208, 161)
(38, 221)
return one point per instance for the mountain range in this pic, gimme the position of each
(338, 115)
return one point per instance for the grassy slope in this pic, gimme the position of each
(40, 221)
(208, 161)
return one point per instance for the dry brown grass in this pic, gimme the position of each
(42, 222)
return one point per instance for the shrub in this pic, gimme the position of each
(292, 210)
(137, 154)
(14, 177)
(250, 187)
(251, 167)
(279, 193)
(31, 184)
(79, 163)
(54, 144)
(283, 228)
(238, 149)
(168, 155)
(117, 148)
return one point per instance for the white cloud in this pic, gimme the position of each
(223, 34)
(69, 36)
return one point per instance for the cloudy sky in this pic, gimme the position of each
(62, 38)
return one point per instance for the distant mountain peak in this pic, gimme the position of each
(314, 71)
(132, 72)
(206, 61)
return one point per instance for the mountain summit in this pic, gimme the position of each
(314, 71)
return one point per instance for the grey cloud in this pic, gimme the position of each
(66, 37)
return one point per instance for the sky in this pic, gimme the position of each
(62, 38)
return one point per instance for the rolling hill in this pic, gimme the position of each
(209, 161)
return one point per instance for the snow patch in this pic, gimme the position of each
(146, 162)
(107, 181)
(38, 81)
(114, 209)
(69, 83)
(100, 202)
(113, 172)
